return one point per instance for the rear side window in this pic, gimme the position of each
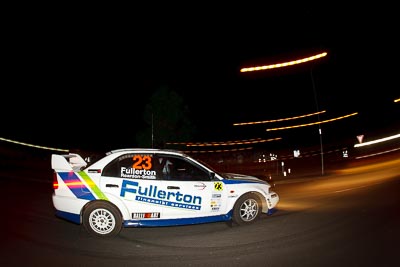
(132, 166)
(150, 166)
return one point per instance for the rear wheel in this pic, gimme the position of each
(102, 219)
(247, 209)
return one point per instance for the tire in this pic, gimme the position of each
(247, 209)
(102, 219)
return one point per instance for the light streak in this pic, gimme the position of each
(378, 140)
(31, 145)
(378, 153)
(219, 150)
(278, 120)
(228, 143)
(312, 123)
(284, 64)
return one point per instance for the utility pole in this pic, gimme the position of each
(319, 124)
(152, 130)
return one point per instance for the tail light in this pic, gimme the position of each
(55, 181)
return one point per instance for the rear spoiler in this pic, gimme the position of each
(70, 162)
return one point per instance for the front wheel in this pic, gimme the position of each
(247, 209)
(102, 219)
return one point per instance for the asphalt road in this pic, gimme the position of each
(349, 218)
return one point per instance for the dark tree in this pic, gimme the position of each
(167, 119)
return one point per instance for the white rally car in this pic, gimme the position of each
(152, 187)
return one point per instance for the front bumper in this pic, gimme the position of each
(272, 200)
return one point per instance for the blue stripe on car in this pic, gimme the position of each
(229, 181)
(172, 222)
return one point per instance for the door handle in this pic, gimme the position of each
(173, 187)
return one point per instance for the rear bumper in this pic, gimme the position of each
(68, 208)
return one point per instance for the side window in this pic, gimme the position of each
(166, 167)
(182, 170)
(163, 165)
(131, 166)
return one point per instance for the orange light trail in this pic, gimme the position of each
(228, 143)
(284, 64)
(277, 120)
(31, 145)
(313, 123)
(74, 184)
(219, 150)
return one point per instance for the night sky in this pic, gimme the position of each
(81, 78)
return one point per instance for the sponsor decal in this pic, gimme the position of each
(215, 205)
(141, 168)
(153, 195)
(216, 198)
(137, 174)
(218, 186)
(142, 162)
(145, 215)
(200, 186)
